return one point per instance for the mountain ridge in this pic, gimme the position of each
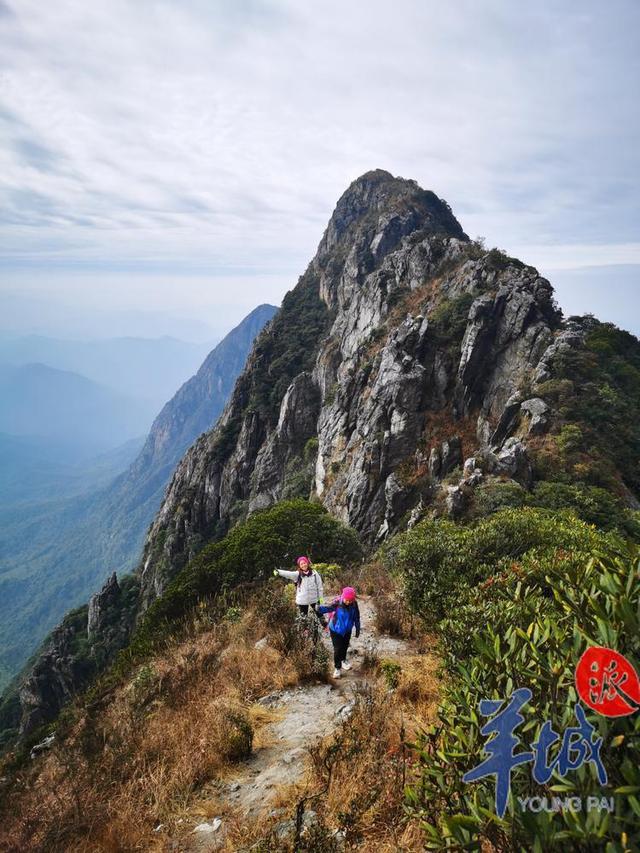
(386, 239)
(409, 373)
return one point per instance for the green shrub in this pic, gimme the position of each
(592, 504)
(596, 389)
(570, 438)
(310, 450)
(391, 672)
(448, 321)
(236, 735)
(490, 497)
(498, 260)
(268, 539)
(530, 627)
(439, 560)
(328, 571)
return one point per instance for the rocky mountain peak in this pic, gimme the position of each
(377, 210)
(394, 359)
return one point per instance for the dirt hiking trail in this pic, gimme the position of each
(304, 716)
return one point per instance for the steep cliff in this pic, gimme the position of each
(196, 406)
(128, 507)
(403, 349)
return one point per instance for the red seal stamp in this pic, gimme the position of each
(607, 682)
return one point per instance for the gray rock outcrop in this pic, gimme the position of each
(100, 604)
(55, 678)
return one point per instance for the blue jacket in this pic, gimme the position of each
(346, 617)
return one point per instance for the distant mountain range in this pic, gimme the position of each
(55, 551)
(33, 470)
(40, 401)
(26, 313)
(147, 369)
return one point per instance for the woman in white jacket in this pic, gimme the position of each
(308, 583)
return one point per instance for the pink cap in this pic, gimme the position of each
(302, 560)
(348, 594)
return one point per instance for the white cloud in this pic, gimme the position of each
(576, 256)
(211, 137)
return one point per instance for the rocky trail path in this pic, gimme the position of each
(304, 716)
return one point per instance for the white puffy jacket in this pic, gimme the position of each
(309, 590)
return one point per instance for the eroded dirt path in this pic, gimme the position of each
(304, 715)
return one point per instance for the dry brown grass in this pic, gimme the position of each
(157, 749)
(355, 785)
(357, 777)
(442, 425)
(393, 616)
(417, 301)
(419, 684)
(159, 743)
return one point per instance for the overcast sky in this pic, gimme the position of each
(175, 163)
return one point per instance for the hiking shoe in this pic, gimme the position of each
(346, 665)
(336, 673)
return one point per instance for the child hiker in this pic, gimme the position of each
(308, 586)
(346, 616)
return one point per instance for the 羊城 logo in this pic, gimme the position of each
(606, 682)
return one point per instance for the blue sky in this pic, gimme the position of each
(181, 159)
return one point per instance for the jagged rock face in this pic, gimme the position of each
(69, 662)
(296, 425)
(100, 604)
(56, 676)
(375, 425)
(424, 354)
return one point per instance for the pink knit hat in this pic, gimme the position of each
(348, 594)
(302, 560)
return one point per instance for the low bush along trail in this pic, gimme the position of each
(221, 736)
(516, 599)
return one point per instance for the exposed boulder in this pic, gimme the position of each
(513, 461)
(43, 746)
(539, 415)
(508, 419)
(444, 457)
(456, 501)
(571, 336)
(450, 455)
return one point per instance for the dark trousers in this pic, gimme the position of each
(340, 646)
(304, 609)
